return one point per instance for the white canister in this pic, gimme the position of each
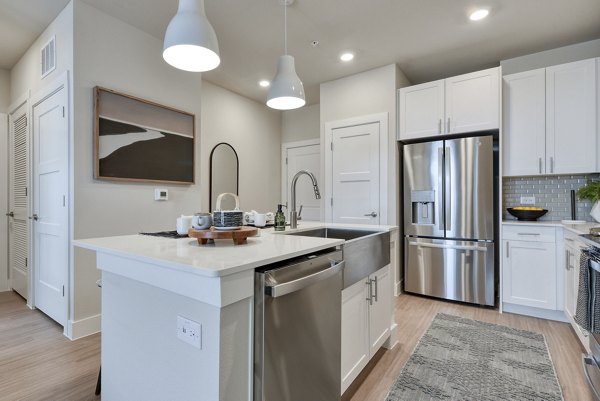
(184, 223)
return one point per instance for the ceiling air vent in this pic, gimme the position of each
(49, 57)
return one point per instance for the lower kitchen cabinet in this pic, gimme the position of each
(531, 280)
(366, 320)
(573, 247)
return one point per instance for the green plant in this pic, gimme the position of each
(590, 191)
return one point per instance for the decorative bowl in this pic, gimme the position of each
(527, 214)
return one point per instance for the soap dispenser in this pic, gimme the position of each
(279, 219)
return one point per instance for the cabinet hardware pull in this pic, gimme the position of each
(372, 214)
(534, 234)
(10, 214)
(375, 295)
(507, 248)
(440, 126)
(448, 125)
(551, 164)
(567, 260)
(370, 297)
(540, 164)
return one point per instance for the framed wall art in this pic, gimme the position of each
(138, 140)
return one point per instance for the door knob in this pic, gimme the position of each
(35, 217)
(372, 214)
(10, 214)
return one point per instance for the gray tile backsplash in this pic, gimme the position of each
(551, 192)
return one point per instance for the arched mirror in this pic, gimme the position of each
(224, 175)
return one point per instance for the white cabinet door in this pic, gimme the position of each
(472, 102)
(529, 274)
(571, 134)
(421, 110)
(524, 136)
(570, 281)
(355, 331)
(380, 310)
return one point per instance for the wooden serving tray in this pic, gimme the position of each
(239, 236)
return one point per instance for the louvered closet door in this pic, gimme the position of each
(19, 201)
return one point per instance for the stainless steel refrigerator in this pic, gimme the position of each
(449, 219)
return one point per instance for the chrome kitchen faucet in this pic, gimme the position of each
(293, 213)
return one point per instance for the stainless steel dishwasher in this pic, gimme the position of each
(297, 329)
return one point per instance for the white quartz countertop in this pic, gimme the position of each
(223, 257)
(583, 228)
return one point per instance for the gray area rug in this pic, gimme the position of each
(464, 359)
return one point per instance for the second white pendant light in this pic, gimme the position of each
(190, 40)
(286, 91)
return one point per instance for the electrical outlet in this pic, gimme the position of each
(527, 200)
(189, 331)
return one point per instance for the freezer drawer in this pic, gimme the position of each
(456, 270)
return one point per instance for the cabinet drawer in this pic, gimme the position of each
(529, 233)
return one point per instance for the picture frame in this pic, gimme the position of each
(142, 141)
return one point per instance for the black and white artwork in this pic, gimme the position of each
(142, 141)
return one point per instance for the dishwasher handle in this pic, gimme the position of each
(279, 290)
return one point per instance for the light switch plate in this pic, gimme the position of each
(527, 200)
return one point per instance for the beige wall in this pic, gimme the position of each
(254, 131)
(560, 55)
(115, 55)
(370, 92)
(26, 74)
(301, 124)
(4, 90)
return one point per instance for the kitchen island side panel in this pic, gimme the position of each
(142, 358)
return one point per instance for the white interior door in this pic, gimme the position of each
(355, 174)
(4, 152)
(304, 158)
(18, 201)
(50, 211)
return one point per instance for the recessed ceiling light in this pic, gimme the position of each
(347, 56)
(479, 14)
(264, 83)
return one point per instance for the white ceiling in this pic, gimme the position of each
(428, 39)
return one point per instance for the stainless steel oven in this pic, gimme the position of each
(591, 362)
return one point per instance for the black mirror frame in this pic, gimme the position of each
(210, 177)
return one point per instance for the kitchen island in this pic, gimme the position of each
(151, 285)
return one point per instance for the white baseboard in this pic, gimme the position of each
(84, 327)
(398, 288)
(557, 315)
(393, 338)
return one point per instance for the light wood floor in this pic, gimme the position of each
(37, 363)
(414, 314)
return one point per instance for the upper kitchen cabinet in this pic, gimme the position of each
(525, 123)
(421, 110)
(550, 119)
(461, 104)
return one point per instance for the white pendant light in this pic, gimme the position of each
(286, 91)
(190, 40)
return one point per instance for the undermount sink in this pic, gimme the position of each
(364, 251)
(338, 233)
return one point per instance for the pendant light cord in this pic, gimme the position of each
(285, 28)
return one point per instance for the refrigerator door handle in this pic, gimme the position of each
(439, 208)
(448, 190)
(459, 247)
